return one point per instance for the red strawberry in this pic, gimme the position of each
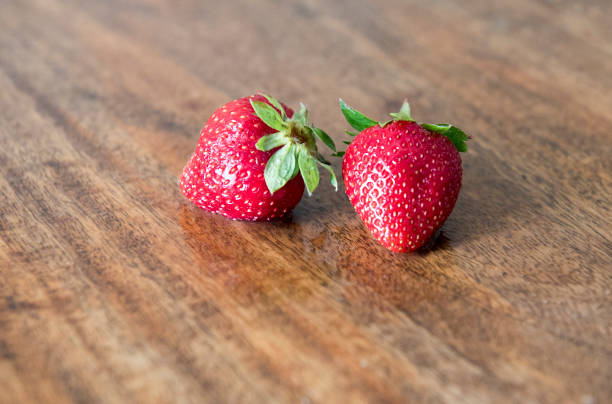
(403, 178)
(246, 162)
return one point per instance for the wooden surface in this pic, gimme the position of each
(114, 289)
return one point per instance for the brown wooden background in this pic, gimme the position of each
(113, 289)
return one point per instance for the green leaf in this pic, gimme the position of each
(302, 115)
(456, 135)
(436, 127)
(287, 166)
(280, 168)
(324, 138)
(308, 169)
(346, 141)
(355, 118)
(332, 174)
(272, 141)
(276, 104)
(404, 113)
(268, 115)
(348, 132)
(338, 154)
(296, 169)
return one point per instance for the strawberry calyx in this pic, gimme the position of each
(361, 122)
(297, 147)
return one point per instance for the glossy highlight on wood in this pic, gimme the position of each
(116, 289)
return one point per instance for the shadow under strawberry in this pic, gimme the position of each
(492, 201)
(252, 261)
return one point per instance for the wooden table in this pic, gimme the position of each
(114, 289)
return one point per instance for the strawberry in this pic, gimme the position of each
(246, 163)
(402, 177)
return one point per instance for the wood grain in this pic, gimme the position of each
(114, 289)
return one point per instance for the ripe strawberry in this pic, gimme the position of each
(246, 162)
(403, 178)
